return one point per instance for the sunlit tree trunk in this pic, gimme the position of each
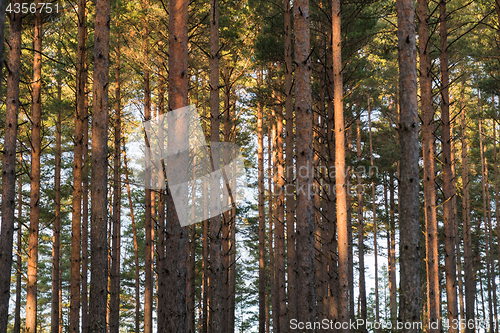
(408, 185)
(280, 214)
(98, 246)
(340, 167)
(9, 171)
(392, 271)
(36, 89)
(215, 263)
(289, 187)
(262, 220)
(448, 178)
(176, 235)
(428, 147)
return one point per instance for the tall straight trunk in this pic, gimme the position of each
(290, 197)
(317, 214)
(470, 285)
(497, 201)
(272, 215)
(99, 251)
(484, 181)
(262, 220)
(136, 250)
(205, 233)
(9, 166)
(340, 167)
(350, 262)
(408, 163)
(160, 299)
(374, 213)
(489, 255)
(76, 228)
(306, 295)
(457, 237)
(114, 302)
(361, 232)
(176, 235)
(428, 147)
(85, 208)
(330, 214)
(56, 239)
(280, 215)
(19, 262)
(148, 270)
(36, 97)
(190, 279)
(215, 263)
(227, 218)
(392, 271)
(448, 178)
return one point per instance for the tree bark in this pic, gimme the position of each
(176, 235)
(9, 168)
(374, 213)
(448, 178)
(215, 264)
(289, 187)
(19, 263)
(85, 204)
(262, 220)
(114, 302)
(408, 185)
(340, 167)
(36, 89)
(136, 250)
(361, 232)
(99, 250)
(470, 285)
(56, 239)
(428, 147)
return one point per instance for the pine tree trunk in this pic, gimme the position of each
(392, 271)
(361, 232)
(408, 163)
(448, 179)
(340, 167)
(56, 240)
(428, 128)
(114, 302)
(215, 264)
(470, 289)
(280, 215)
(374, 213)
(9, 170)
(497, 208)
(136, 251)
(176, 235)
(76, 228)
(19, 263)
(272, 211)
(262, 220)
(290, 197)
(148, 276)
(99, 251)
(306, 296)
(85, 207)
(36, 88)
(489, 255)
